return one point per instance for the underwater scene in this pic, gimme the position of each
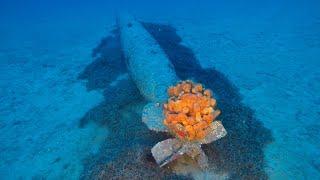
(148, 89)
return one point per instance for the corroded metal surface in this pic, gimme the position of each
(217, 131)
(149, 66)
(152, 116)
(167, 151)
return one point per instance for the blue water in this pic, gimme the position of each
(69, 110)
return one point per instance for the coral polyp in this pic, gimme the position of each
(189, 111)
(189, 114)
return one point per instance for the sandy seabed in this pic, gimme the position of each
(272, 61)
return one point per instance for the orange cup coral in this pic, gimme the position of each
(189, 111)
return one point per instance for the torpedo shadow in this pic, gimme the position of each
(240, 153)
(126, 151)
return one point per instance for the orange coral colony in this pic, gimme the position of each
(190, 111)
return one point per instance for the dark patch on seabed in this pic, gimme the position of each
(126, 153)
